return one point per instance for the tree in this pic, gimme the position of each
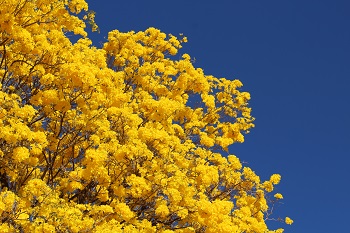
(122, 138)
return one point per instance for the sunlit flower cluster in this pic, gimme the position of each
(123, 138)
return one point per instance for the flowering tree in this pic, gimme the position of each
(109, 139)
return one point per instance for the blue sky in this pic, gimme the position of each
(294, 58)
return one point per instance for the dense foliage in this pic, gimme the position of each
(123, 138)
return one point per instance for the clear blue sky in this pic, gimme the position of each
(294, 58)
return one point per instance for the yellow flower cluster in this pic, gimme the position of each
(123, 138)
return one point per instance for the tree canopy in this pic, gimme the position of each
(123, 138)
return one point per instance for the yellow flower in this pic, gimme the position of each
(20, 154)
(288, 221)
(275, 178)
(162, 210)
(278, 196)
